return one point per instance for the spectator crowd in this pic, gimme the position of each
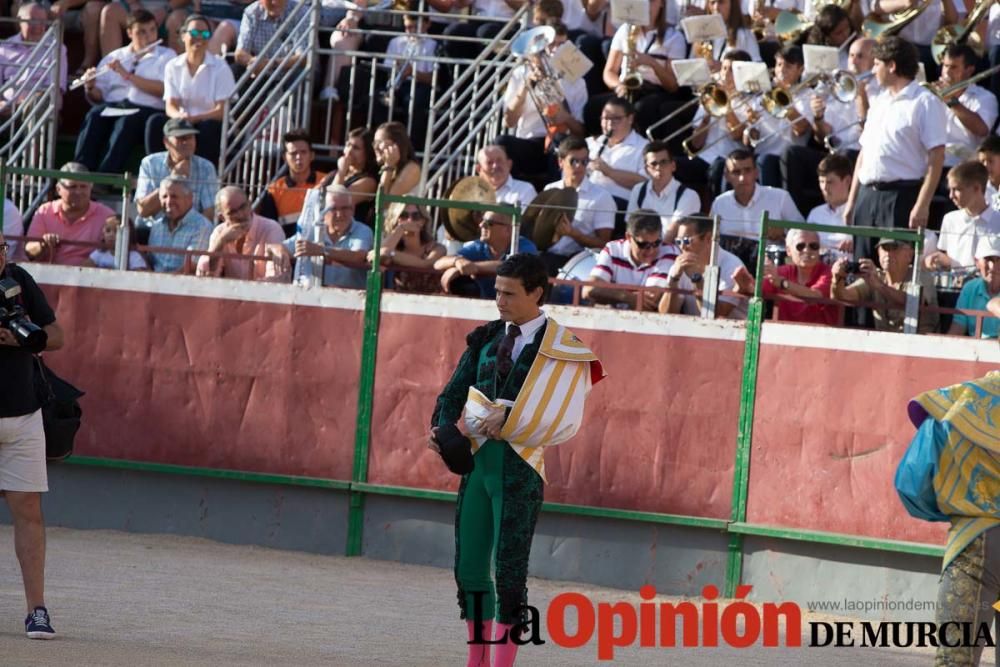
(899, 137)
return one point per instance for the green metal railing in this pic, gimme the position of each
(358, 487)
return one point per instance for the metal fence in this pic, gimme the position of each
(271, 98)
(30, 99)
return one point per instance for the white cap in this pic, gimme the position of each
(988, 246)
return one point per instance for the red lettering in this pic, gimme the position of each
(710, 617)
(668, 623)
(647, 617)
(793, 623)
(607, 640)
(555, 620)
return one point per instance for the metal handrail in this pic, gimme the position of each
(271, 101)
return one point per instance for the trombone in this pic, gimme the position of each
(946, 91)
(964, 32)
(841, 84)
(711, 95)
(743, 98)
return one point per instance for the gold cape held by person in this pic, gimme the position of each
(549, 408)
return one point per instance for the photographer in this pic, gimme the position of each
(27, 326)
(886, 285)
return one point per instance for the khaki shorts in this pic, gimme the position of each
(22, 454)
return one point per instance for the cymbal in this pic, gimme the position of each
(461, 223)
(543, 215)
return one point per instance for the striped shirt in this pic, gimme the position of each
(615, 264)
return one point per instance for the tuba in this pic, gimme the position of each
(546, 93)
(964, 32)
(630, 77)
(876, 26)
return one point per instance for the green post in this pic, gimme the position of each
(744, 437)
(366, 390)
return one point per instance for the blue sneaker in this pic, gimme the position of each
(37, 625)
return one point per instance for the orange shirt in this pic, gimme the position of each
(289, 196)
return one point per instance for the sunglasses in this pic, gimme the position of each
(658, 163)
(490, 222)
(687, 240)
(647, 245)
(579, 161)
(411, 215)
(200, 34)
(812, 245)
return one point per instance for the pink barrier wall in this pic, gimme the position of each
(829, 434)
(272, 387)
(659, 436)
(210, 382)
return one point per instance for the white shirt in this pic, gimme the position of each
(960, 234)
(993, 26)
(529, 330)
(899, 132)
(824, 214)
(744, 221)
(400, 46)
(212, 81)
(843, 120)
(594, 210)
(666, 203)
(776, 133)
(962, 144)
(151, 66)
(728, 265)
(673, 47)
(992, 196)
(616, 265)
(516, 193)
(745, 41)
(575, 17)
(13, 225)
(494, 8)
(625, 155)
(718, 143)
(530, 125)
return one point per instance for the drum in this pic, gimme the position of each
(578, 267)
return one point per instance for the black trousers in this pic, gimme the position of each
(529, 157)
(886, 206)
(105, 143)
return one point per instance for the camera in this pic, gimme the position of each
(776, 253)
(853, 267)
(28, 335)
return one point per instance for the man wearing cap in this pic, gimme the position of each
(180, 140)
(472, 271)
(519, 387)
(978, 292)
(72, 217)
(340, 238)
(241, 232)
(886, 285)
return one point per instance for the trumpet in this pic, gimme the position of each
(711, 95)
(104, 69)
(963, 33)
(875, 25)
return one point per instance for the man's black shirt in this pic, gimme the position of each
(17, 367)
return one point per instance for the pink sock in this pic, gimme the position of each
(479, 654)
(506, 652)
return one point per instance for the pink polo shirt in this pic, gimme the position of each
(262, 231)
(48, 219)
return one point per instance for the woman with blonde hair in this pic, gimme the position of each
(409, 243)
